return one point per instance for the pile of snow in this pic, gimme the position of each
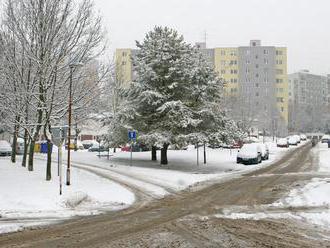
(26, 194)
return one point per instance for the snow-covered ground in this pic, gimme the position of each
(182, 170)
(308, 203)
(26, 198)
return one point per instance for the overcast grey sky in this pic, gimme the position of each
(300, 25)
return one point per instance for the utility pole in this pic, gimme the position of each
(204, 153)
(72, 66)
(69, 129)
(197, 155)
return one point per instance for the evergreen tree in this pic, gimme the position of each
(176, 98)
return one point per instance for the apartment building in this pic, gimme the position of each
(308, 101)
(254, 76)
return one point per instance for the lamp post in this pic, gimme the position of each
(72, 66)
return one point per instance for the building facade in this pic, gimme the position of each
(255, 81)
(308, 101)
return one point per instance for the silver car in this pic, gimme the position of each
(5, 148)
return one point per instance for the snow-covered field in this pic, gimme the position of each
(27, 197)
(312, 201)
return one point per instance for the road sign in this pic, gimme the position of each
(132, 135)
(59, 134)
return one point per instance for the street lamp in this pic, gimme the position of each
(72, 66)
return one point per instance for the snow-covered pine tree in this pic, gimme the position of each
(176, 96)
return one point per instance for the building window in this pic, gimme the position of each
(279, 80)
(257, 56)
(248, 52)
(257, 93)
(124, 54)
(279, 71)
(279, 99)
(279, 62)
(223, 52)
(233, 53)
(248, 62)
(123, 63)
(279, 52)
(266, 61)
(257, 75)
(282, 109)
(223, 71)
(257, 85)
(257, 66)
(265, 51)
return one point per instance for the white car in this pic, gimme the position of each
(293, 140)
(264, 151)
(297, 138)
(303, 137)
(5, 148)
(282, 142)
(249, 154)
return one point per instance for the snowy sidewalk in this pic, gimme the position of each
(27, 199)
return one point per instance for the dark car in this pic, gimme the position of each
(97, 148)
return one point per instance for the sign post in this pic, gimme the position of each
(59, 134)
(131, 138)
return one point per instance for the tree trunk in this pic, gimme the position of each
(163, 154)
(26, 143)
(154, 153)
(31, 154)
(32, 144)
(14, 145)
(114, 150)
(49, 161)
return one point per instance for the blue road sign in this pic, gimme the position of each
(132, 135)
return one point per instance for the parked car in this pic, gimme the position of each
(303, 137)
(5, 148)
(96, 147)
(293, 141)
(249, 154)
(264, 151)
(88, 143)
(135, 148)
(283, 142)
(297, 138)
(325, 138)
(19, 146)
